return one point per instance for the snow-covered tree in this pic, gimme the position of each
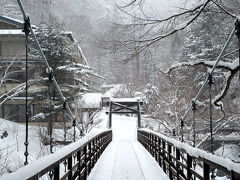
(61, 57)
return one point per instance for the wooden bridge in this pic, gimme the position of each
(126, 151)
(135, 154)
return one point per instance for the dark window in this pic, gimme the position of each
(0, 49)
(16, 112)
(16, 74)
(1, 111)
(11, 112)
(37, 108)
(21, 112)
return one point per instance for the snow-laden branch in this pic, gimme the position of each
(158, 29)
(231, 67)
(17, 90)
(215, 130)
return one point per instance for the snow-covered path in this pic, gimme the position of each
(125, 157)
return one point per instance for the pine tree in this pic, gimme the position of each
(61, 55)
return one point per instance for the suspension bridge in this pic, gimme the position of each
(127, 151)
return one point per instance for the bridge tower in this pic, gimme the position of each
(125, 106)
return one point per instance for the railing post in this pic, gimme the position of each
(56, 173)
(110, 115)
(70, 168)
(154, 146)
(170, 161)
(163, 153)
(160, 152)
(206, 170)
(85, 163)
(156, 149)
(234, 175)
(89, 157)
(151, 144)
(79, 164)
(177, 163)
(189, 166)
(98, 147)
(94, 153)
(139, 115)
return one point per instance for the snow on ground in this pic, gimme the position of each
(125, 157)
(12, 147)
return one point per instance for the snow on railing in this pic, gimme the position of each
(177, 158)
(77, 158)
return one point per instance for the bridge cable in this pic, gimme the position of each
(210, 83)
(194, 108)
(63, 99)
(183, 118)
(182, 126)
(237, 29)
(50, 107)
(26, 31)
(64, 122)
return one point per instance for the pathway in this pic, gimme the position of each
(125, 157)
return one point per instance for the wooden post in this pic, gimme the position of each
(206, 171)
(85, 162)
(89, 157)
(189, 166)
(177, 164)
(79, 164)
(70, 176)
(160, 152)
(139, 115)
(163, 153)
(110, 115)
(170, 161)
(234, 175)
(56, 173)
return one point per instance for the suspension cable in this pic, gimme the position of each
(63, 99)
(182, 125)
(237, 29)
(194, 108)
(210, 82)
(50, 107)
(211, 72)
(26, 31)
(64, 122)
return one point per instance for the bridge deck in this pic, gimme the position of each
(125, 158)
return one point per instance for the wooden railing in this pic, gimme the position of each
(181, 161)
(75, 165)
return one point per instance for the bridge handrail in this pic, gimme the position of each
(87, 151)
(167, 151)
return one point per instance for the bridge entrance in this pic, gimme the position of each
(125, 106)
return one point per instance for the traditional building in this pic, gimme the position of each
(12, 59)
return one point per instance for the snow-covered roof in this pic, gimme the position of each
(12, 21)
(90, 100)
(124, 99)
(11, 32)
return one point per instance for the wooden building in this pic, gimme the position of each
(12, 57)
